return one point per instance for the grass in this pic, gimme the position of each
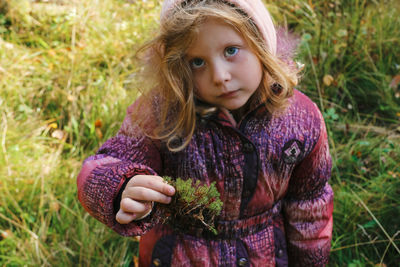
(67, 76)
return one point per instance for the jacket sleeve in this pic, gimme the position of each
(308, 207)
(104, 175)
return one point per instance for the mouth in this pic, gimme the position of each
(229, 94)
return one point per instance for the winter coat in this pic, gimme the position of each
(271, 171)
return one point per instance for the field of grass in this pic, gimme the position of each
(67, 75)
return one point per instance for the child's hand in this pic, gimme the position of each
(139, 194)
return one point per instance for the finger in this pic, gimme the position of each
(131, 206)
(145, 194)
(156, 183)
(124, 217)
(140, 178)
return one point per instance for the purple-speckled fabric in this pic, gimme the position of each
(271, 172)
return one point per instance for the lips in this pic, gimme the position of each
(229, 94)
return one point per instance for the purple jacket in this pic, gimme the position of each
(271, 171)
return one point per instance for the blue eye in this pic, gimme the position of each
(197, 63)
(231, 51)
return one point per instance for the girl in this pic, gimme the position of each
(221, 108)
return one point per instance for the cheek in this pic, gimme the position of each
(252, 67)
(197, 88)
(254, 74)
(198, 82)
(258, 71)
(260, 74)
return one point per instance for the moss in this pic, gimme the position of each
(194, 205)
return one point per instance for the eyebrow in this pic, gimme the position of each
(235, 43)
(189, 56)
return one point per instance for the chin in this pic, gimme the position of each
(234, 106)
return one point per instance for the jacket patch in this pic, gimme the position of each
(292, 151)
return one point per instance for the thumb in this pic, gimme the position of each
(125, 217)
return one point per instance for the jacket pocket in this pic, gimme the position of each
(162, 251)
(281, 256)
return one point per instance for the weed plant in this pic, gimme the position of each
(194, 206)
(67, 75)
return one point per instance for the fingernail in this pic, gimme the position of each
(171, 190)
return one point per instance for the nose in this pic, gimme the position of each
(220, 73)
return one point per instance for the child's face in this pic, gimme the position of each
(225, 70)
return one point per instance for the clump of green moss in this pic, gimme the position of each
(193, 206)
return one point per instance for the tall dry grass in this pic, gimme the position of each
(67, 75)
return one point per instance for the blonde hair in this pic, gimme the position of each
(171, 97)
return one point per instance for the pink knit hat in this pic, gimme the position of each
(255, 9)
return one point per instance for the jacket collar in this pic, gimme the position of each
(225, 117)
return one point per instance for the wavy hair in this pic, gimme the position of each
(170, 95)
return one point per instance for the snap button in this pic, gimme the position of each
(280, 253)
(157, 262)
(242, 262)
(248, 148)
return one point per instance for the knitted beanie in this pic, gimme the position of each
(255, 9)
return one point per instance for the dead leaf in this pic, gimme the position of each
(71, 98)
(58, 134)
(55, 206)
(311, 4)
(29, 181)
(81, 45)
(395, 82)
(328, 79)
(135, 261)
(98, 123)
(46, 170)
(80, 88)
(99, 133)
(300, 66)
(338, 47)
(52, 53)
(6, 234)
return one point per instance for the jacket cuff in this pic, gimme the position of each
(101, 188)
(309, 229)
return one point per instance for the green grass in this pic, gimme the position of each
(65, 68)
